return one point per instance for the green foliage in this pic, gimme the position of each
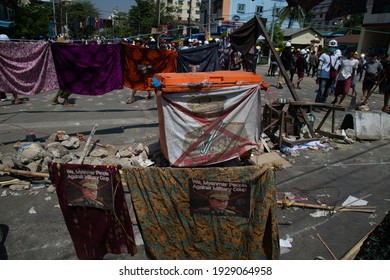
(354, 21)
(31, 20)
(277, 38)
(293, 14)
(78, 13)
(145, 15)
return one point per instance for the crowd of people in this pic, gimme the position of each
(335, 73)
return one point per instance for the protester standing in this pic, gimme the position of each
(142, 71)
(372, 67)
(346, 72)
(287, 61)
(327, 61)
(353, 85)
(313, 61)
(300, 67)
(384, 87)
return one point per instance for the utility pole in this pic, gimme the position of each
(272, 32)
(159, 11)
(189, 17)
(209, 21)
(54, 19)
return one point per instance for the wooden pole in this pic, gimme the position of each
(284, 73)
(25, 173)
(86, 148)
(366, 209)
(326, 246)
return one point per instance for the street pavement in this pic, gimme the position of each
(329, 176)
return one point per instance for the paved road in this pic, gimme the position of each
(359, 169)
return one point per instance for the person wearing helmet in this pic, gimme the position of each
(138, 41)
(273, 65)
(288, 63)
(300, 66)
(152, 43)
(195, 43)
(328, 62)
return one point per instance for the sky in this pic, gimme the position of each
(106, 6)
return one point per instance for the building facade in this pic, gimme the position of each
(375, 33)
(230, 14)
(187, 11)
(318, 20)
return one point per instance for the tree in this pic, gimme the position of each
(147, 14)
(31, 20)
(293, 12)
(81, 18)
(354, 22)
(120, 26)
(277, 39)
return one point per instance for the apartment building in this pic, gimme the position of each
(187, 11)
(318, 20)
(229, 14)
(375, 33)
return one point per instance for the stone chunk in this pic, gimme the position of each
(57, 150)
(71, 143)
(30, 152)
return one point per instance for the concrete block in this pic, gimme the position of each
(367, 125)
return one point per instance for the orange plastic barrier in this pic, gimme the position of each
(203, 81)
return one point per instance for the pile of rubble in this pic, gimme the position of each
(60, 147)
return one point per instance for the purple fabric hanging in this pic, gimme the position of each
(26, 68)
(88, 69)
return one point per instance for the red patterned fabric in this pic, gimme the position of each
(94, 231)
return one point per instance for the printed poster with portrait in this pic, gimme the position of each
(219, 198)
(89, 188)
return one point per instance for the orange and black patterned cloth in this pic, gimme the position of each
(155, 61)
(165, 201)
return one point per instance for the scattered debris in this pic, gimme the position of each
(32, 210)
(286, 243)
(326, 246)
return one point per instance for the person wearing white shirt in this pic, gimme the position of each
(346, 73)
(324, 81)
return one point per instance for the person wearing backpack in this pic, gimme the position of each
(327, 72)
(288, 62)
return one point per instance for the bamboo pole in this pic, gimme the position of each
(326, 246)
(366, 209)
(86, 147)
(25, 173)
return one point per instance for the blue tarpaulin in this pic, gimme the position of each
(5, 24)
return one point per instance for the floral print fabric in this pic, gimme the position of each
(26, 68)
